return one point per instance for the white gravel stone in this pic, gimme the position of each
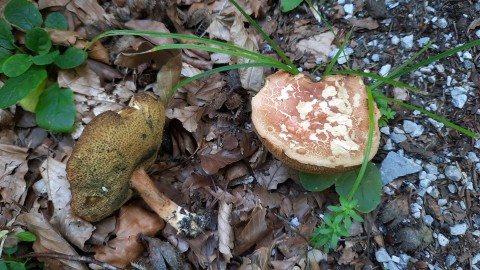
(385, 130)
(394, 166)
(452, 188)
(398, 138)
(428, 220)
(388, 146)
(477, 33)
(473, 156)
(430, 168)
(407, 42)
(442, 240)
(450, 260)
(423, 41)
(458, 229)
(382, 255)
(459, 97)
(398, 130)
(477, 144)
(343, 56)
(375, 57)
(384, 70)
(442, 23)
(435, 123)
(442, 202)
(412, 128)
(453, 173)
(348, 9)
(395, 40)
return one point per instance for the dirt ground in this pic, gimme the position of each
(211, 161)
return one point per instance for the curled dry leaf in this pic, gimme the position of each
(49, 240)
(125, 248)
(225, 231)
(364, 23)
(150, 25)
(75, 229)
(162, 255)
(213, 159)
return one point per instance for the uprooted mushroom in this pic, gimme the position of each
(317, 127)
(110, 159)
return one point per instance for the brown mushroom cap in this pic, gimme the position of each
(111, 148)
(316, 127)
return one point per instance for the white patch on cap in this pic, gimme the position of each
(305, 108)
(284, 92)
(329, 91)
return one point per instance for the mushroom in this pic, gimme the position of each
(110, 159)
(316, 127)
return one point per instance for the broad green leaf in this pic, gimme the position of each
(56, 20)
(3, 265)
(4, 55)
(17, 64)
(29, 103)
(72, 57)
(23, 14)
(16, 266)
(6, 36)
(288, 5)
(19, 87)
(38, 40)
(26, 236)
(317, 182)
(55, 109)
(10, 250)
(45, 59)
(369, 191)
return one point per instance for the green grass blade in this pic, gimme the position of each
(384, 80)
(434, 116)
(371, 125)
(340, 51)
(216, 70)
(433, 59)
(252, 56)
(272, 43)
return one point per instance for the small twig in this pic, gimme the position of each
(83, 259)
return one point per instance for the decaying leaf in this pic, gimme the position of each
(49, 240)
(150, 25)
(75, 229)
(81, 80)
(319, 45)
(272, 174)
(13, 167)
(213, 159)
(162, 255)
(189, 116)
(364, 23)
(247, 235)
(225, 231)
(125, 248)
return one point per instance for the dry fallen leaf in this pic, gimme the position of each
(75, 229)
(49, 240)
(364, 23)
(153, 26)
(125, 248)
(13, 167)
(225, 231)
(81, 80)
(272, 173)
(213, 159)
(318, 45)
(254, 230)
(189, 116)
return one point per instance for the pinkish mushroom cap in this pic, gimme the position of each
(316, 127)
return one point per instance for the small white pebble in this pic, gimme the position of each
(458, 229)
(442, 240)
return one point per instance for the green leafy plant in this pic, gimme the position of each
(29, 66)
(8, 262)
(359, 190)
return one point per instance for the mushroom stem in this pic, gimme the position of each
(182, 220)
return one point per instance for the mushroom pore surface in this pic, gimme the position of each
(110, 149)
(316, 127)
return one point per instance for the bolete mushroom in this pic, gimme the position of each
(316, 127)
(110, 158)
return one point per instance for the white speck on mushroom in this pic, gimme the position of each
(104, 189)
(284, 92)
(304, 108)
